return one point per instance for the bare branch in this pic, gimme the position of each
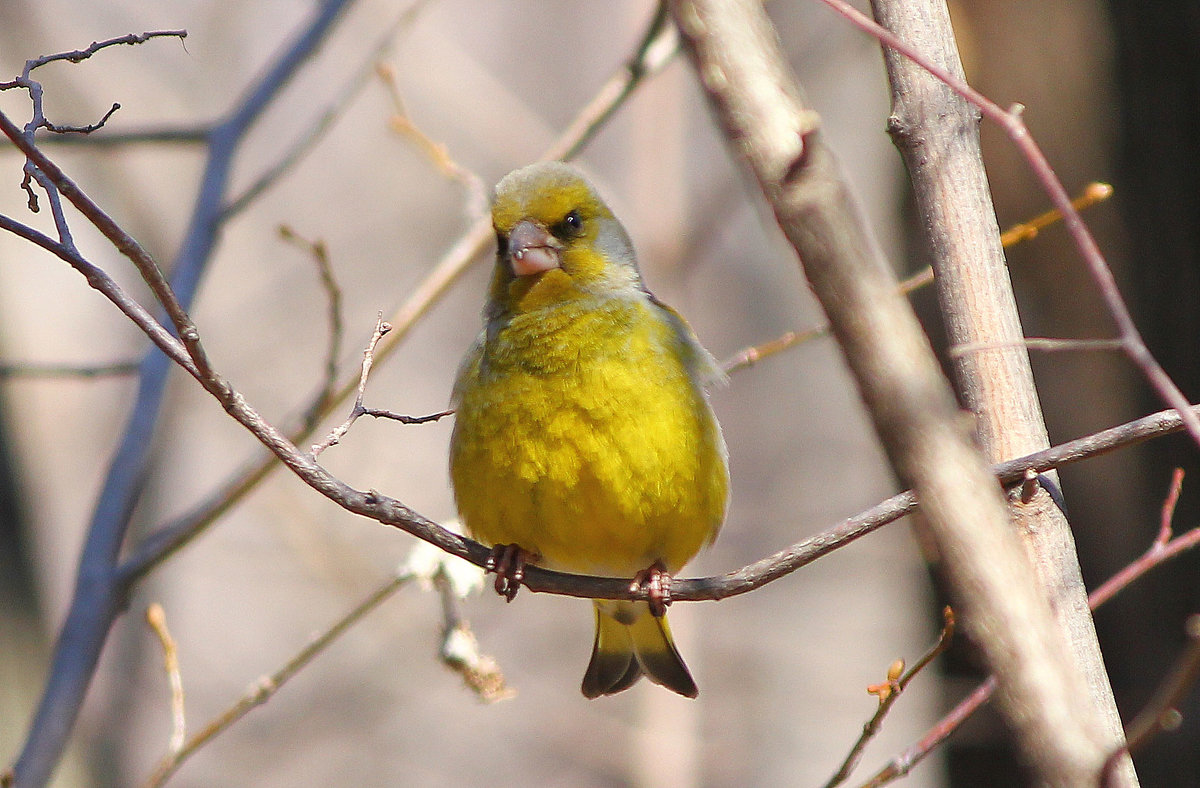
(101, 281)
(888, 693)
(1047, 344)
(433, 150)
(125, 243)
(1162, 548)
(267, 686)
(333, 295)
(1010, 120)
(80, 55)
(83, 129)
(381, 330)
(1161, 713)
(157, 618)
(1093, 194)
(15, 369)
(1159, 552)
(308, 139)
(168, 135)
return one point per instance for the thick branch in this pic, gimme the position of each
(937, 133)
(995, 589)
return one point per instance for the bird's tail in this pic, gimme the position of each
(630, 642)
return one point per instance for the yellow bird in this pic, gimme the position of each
(583, 440)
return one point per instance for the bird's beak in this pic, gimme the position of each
(532, 249)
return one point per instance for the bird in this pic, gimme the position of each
(584, 440)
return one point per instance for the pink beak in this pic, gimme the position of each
(532, 249)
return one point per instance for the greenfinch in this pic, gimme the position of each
(584, 441)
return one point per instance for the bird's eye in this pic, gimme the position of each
(571, 226)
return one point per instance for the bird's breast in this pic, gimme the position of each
(586, 441)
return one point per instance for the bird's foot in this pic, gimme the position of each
(655, 582)
(508, 562)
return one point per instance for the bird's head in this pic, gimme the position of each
(556, 239)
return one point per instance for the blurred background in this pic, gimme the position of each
(783, 670)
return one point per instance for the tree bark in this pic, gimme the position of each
(937, 133)
(995, 588)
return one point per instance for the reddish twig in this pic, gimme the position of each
(1161, 713)
(357, 411)
(888, 693)
(1162, 548)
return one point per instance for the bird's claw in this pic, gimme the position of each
(655, 583)
(508, 562)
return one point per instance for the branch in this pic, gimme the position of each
(170, 135)
(124, 243)
(80, 55)
(1010, 120)
(358, 411)
(736, 55)
(1161, 713)
(333, 295)
(16, 369)
(1162, 549)
(267, 686)
(889, 693)
(157, 619)
(937, 134)
(99, 590)
(305, 141)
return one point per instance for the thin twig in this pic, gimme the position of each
(1161, 713)
(88, 129)
(888, 693)
(1092, 194)
(170, 135)
(1162, 548)
(80, 55)
(304, 142)
(267, 686)
(333, 296)
(381, 330)
(41, 370)
(105, 284)
(1048, 344)
(358, 410)
(157, 618)
(433, 150)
